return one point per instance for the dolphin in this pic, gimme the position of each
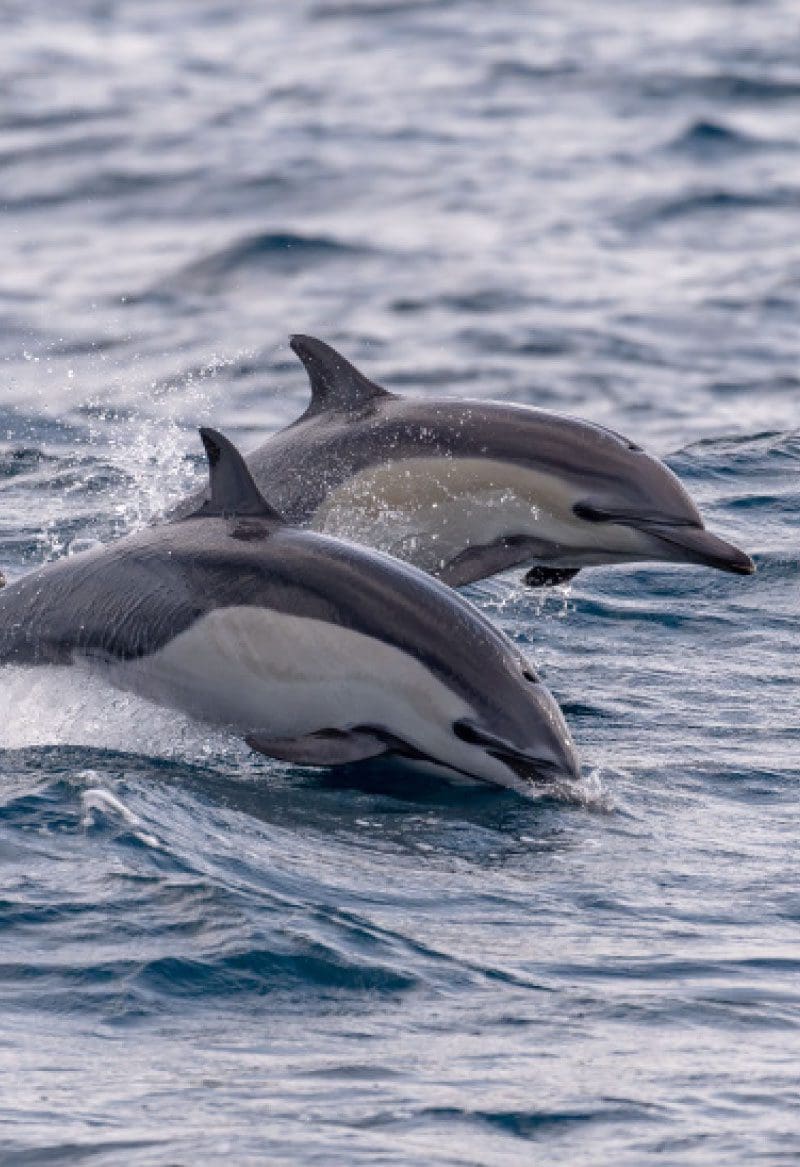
(464, 489)
(312, 649)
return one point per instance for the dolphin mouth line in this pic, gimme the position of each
(698, 544)
(524, 765)
(532, 769)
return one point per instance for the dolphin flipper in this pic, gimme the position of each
(328, 747)
(481, 561)
(549, 577)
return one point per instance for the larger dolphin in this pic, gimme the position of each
(464, 489)
(314, 650)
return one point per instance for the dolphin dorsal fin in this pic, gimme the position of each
(233, 491)
(335, 383)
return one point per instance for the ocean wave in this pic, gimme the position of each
(704, 138)
(528, 1124)
(279, 250)
(712, 202)
(723, 86)
(751, 458)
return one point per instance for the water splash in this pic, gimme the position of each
(67, 705)
(158, 455)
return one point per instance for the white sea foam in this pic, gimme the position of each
(68, 706)
(98, 801)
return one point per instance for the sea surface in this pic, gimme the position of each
(209, 957)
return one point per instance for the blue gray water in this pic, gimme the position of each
(590, 207)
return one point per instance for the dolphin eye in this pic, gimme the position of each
(641, 522)
(529, 676)
(467, 733)
(620, 438)
(583, 510)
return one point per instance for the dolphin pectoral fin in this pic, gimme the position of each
(549, 577)
(479, 562)
(328, 747)
(697, 545)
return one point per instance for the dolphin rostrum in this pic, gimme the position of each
(314, 650)
(464, 489)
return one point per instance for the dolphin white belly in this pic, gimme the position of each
(427, 510)
(270, 675)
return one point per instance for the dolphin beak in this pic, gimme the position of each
(697, 545)
(555, 759)
(538, 770)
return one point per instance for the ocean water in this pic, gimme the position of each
(591, 207)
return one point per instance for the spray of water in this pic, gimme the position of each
(157, 455)
(69, 706)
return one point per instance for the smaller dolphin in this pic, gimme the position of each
(464, 489)
(314, 650)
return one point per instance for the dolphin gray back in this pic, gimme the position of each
(301, 465)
